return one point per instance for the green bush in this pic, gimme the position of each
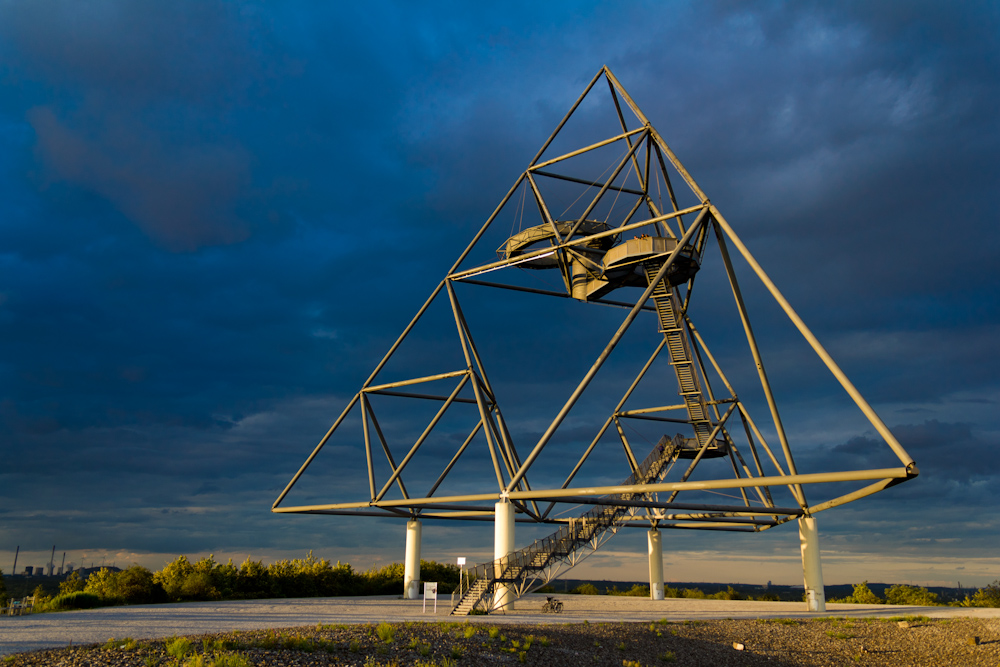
(862, 595)
(3, 591)
(102, 584)
(988, 596)
(72, 584)
(637, 590)
(903, 594)
(182, 580)
(74, 600)
(136, 585)
(729, 594)
(586, 589)
(133, 585)
(445, 574)
(252, 581)
(172, 576)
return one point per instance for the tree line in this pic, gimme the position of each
(206, 579)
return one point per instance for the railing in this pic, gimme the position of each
(566, 540)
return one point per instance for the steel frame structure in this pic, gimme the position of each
(575, 248)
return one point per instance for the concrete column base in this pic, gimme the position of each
(411, 565)
(812, 568)
(655, 543)
(503, 545)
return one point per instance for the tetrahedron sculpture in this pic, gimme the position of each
(632, 238)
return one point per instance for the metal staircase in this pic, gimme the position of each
(534, 566)
(668, 311)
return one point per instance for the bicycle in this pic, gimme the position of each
(552, 606)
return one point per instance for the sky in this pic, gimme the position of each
(215, 217)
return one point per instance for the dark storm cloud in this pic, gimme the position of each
(944, 452)
(217, 217)
(182, 198)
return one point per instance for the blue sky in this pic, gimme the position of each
(216, 217)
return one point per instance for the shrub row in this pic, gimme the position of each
(639, 590)
(988, 596)
(207, 579)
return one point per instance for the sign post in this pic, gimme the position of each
(431, 592)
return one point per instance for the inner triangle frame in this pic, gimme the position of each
(593, 259)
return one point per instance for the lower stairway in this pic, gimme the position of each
(534, 566)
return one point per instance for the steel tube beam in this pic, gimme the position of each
(534, 290)
(430, 397)
(454, 459)
(659, 487)
(643, 411)
(420, 380)
(583, 181)
(850, 497)
(368, 446)
(668, 420)
(656, 504)
(586, 149)
(696, 526)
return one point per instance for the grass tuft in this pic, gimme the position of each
(386, 632)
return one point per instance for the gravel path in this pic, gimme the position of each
(589, 631)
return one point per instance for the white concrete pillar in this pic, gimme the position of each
(655, 542)
(503, 544)
(812, 568)
(411, 566)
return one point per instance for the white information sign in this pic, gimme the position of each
(430, 593)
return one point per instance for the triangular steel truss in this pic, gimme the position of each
(589, 252)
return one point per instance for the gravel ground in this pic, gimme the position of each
(818, 642)
(589, 631)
